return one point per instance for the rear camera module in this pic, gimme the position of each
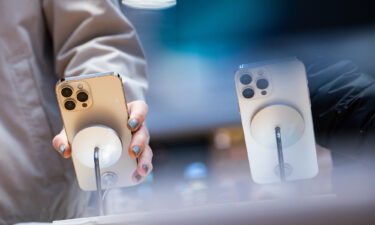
(66, 92)
(70, 105)
(82, 96)
(262, 83)
(245, 79)
(248, 93)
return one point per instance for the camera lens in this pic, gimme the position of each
(245, 79)
(82, 96)
(66, 92)
(248, 93)
(262, 83)
(69, 105)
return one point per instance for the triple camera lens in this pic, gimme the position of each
(248, 92)
(70, 104)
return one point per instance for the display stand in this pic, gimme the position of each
(280, 155)
(98, 182)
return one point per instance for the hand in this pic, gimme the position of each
(139, 147)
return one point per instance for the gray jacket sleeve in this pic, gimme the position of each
(92, 37)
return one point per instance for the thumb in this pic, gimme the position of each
(61, 145)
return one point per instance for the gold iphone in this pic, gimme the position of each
(97, 100)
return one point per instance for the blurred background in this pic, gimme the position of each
(193, 49)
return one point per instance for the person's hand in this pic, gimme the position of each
(139, 147)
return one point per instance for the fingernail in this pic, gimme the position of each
(138, 177)
(136, 149)
(133, 124)
(62, 149)
(145, 168)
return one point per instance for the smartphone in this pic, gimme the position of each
(91, 100)
(274, 104)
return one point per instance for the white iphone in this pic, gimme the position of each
(94, 110)
(275, 111)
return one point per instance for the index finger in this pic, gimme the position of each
(137, 114)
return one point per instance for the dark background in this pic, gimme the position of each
(194, 48)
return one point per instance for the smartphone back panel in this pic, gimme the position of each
(270, 94)
(105, 105)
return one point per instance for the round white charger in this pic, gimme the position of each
(99, 136)
(290, 121)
